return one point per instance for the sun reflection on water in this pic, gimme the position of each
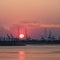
(21, 55)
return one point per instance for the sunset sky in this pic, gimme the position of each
(30, 13)
(40, 11)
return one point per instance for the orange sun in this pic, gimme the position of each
(21, 36)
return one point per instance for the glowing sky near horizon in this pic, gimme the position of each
(30, 11)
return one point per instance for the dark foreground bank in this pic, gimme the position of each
(28, 42)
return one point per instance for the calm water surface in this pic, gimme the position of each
(43, 52)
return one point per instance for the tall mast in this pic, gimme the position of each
(49, 36)
(26, 32)
(18, 31)
(45, 32)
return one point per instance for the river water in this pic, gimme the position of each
(30, 52)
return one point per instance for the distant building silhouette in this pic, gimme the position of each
(53, 38)
(42, 38)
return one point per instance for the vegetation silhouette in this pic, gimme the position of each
(12, 41)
